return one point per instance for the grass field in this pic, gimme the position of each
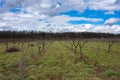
(57, 61)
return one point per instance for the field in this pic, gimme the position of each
(60, 60)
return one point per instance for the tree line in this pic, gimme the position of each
(51, 35)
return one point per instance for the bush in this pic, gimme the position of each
(12, 49)
(112, 73)
(31, 45)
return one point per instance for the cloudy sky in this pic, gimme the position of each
(60, 15)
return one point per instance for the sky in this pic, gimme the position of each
(60, 15)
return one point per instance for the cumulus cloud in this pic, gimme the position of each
(65, 18)
(49, 7)
(112, 21)
(6, 5)
(85, 28)
(54, 7)
(7, 28)
(58, 23)
(109, 12)
(2, 23)
(103, 4)
(86, 19)
(43, 15)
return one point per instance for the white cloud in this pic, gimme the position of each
(2, 24)
(117, 30)
(8, 4)
(112, 21)
(103, 4)
(54, 7)
(54, 24)
(43, 15)
(87, 28)
(109, 12)
(65, 18)
(49, 7)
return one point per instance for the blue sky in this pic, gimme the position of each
(91, 14)
(60, 15)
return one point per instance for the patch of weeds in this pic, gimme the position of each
(12, 76)
(12, 49)
(110, 73)
(32, 77)
(89, 70)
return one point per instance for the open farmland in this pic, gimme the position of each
(60, 60)
(59, 39)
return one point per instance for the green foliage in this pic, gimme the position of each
(31, 78)
(110, 73)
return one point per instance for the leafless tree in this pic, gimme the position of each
(96, 54)
(22, 44)
(39, 47)
(43, 44)
(74, 45)
(7, 45)
(78, 43)
(110, 44)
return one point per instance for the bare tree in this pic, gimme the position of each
(81, 45)
(39, 47)
(43, 44)
(96, 55)
(77, 43)
(74, 45)
(23, 44)
(110, 44)
(7, 45)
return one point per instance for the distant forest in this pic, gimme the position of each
(51, 35)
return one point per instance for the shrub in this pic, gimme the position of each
(112, 73)
(12, 49)
(31, 45)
